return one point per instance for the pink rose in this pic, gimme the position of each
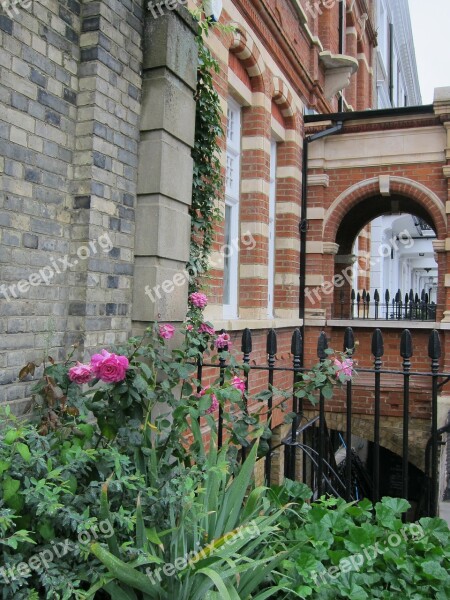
(205, 328)
(198, 299)
(214, 402)
(214, 405)
(344, 368)
(239, 384)
(110, 368)
(81, 373)
(166, 331)
(223, 340)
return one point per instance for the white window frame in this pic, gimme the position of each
(232, 206)
(272, 230)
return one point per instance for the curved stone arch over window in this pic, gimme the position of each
(282, 96)
(244, 48)
(385, 186)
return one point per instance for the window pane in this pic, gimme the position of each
(227, 263)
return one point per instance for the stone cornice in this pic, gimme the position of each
(383, 126)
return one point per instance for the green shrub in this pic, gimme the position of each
(348, 551)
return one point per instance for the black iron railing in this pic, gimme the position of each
(310, 455)
(408, 307)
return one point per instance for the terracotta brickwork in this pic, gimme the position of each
(273, 66)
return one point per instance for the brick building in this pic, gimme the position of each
(97, 109)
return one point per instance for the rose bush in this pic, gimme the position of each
(146, 438)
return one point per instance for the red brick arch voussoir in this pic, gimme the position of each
(283, 97)
(402, 186)
(246, 50)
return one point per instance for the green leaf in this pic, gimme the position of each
(106, 516)
(218, 582)
(234, 496)
(397, 505)
(24, 452)
(4, 466)
(117, 593)
(10, 488)
(125, 573)
(153, 537)
(46, 531)
(87, 430)
(11, 436)
(140, 527)
(434, 569)
(106, 427)
(328, 391)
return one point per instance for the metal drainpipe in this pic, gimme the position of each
(303, 225)
(391, 63)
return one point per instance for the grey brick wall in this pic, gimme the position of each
(105, 168)
(70, 85)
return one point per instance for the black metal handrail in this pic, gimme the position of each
(313, 441)
(407, 307)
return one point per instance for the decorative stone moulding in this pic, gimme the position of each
(319, 179)
(442, 101)
(338, 70)
(330, 248)
(300, 12)
(439, 245)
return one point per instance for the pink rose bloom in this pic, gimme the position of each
(214, 402)
(189, 327)
(222, 340)
(205, 328)
(81, 373)
(198, 299)
(239, 384)
(110, 368)
(214, 405)
(345, 367)
(166, 331)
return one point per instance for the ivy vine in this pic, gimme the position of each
(208, 181)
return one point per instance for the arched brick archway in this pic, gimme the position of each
(385, 187)
(390, 433)
(356, 207)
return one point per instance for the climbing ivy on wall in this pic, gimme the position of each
(208, 180)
